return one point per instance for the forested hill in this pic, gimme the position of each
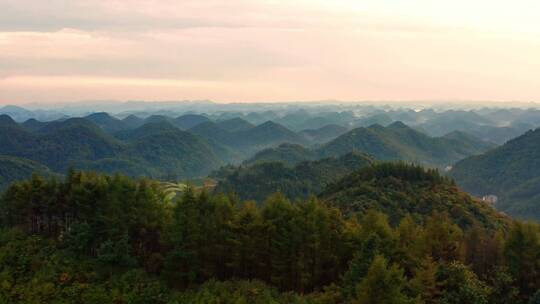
(394, 142)
(258, 181)
(111, 239)
(14, 169)
(158, 149)
(401, 190)
(400, 142)
(511, 171)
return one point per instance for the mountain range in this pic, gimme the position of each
(511, 172)
(394, 142)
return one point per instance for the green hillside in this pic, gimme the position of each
(257, 181)
(399, 190)
(511, 172)
(400, 142)
(324, 134)
(92, 238)
(290, 154)
(155, 149)
(15, 169)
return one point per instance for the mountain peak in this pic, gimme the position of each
(398, 125)
(6, 120)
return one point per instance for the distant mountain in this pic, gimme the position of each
(156, 149)
(15, 169)
(16, 113)
(324, 134)
(33, 125)
(467, 144)
(133, 121)
(382, 119)
(148, 129)
(247, 140)
(65, 143)
(20, 114)
(265, 135)
(106, 122)
(57, 144)
(235, 125)
(400, 142)
(158, 118)
(511, 172)
(176, 153)
(398, 190)
(290, 154)
(13, 137)
(189, 121)
(211, 131)
(258, 181)
(260, 117)
(491, 128)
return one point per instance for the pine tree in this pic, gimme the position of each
(382, 285)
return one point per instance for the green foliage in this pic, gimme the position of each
(510, 171)
(158, 149)
(522, 256)
(93, 238)
(15, 169)
(399, 190)
(462, 286)
(290, 154)
(400, 142)
(382, 285)
(260, 180)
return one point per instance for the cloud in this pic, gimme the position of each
(263, 49)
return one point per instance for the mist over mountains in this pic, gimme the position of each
(171, 141)
(138, 195)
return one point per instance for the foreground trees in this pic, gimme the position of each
(100, 239)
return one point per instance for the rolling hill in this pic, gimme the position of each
(106, 122)
(400, 142)
(156, 149)
(324, 134)
(290, 154)
(258, 181)
(15, 169)
(399, 189)
(189, 121)
(511, 172)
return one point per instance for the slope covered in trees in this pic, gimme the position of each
(158, 149)
(290, 154)
(400, 190)
(395, 142)
(14, 169)
(258, 181)
(324, 134)
(511, 172)
(102, 239)
(400, 142)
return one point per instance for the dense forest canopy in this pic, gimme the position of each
(92, 238)
(511, 172)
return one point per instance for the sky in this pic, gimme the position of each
(269, 50)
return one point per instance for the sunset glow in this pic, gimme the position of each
(232, 50)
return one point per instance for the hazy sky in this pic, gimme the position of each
(233, 50)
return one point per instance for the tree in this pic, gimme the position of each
(424, 283)
(382, 285)
(462, 286)
(183, 261)
(522, 256)
(503, 289)
(359, 265)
